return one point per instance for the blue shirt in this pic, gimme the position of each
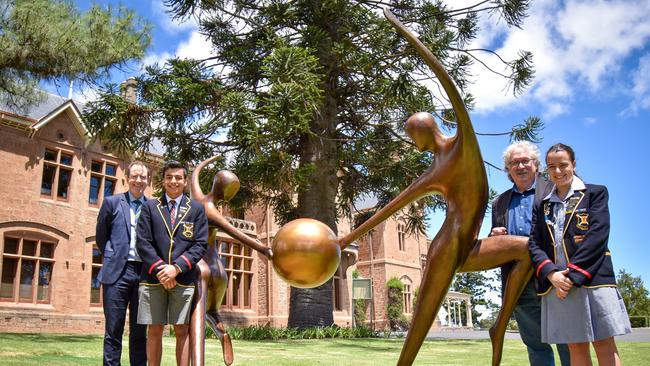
(520, 211)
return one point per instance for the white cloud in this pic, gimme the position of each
(640, 90)
(197, 47)
(194, 46)
(169, 25)
(155, 58)
(85, 95)
(578, 47)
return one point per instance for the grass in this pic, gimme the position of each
(75, 350)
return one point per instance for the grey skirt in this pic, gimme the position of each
(586, 315)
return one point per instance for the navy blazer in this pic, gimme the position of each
(113, 236)
(182, 245)
(500, 215)
(585, 240)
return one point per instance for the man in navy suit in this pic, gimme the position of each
(120, 272)
(172, 238)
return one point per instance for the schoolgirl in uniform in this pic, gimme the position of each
(573, 265)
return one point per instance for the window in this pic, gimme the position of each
(96, 297)
(336, 292)
(408, 299)
(26, 269)
(407, 294)
(401, 237)
(57, 174)
(238, 261)
(102, 181)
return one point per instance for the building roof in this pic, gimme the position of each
(36, 116)
(45, 105)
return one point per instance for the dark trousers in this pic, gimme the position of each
(118, 297)
(528, 314)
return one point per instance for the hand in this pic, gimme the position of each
(499, 230)
(166, 272)
(168, 285)
(561, 282)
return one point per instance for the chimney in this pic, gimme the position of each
(128, 90)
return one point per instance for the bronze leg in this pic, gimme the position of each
(494, 251)
(226, 345)
(217, 290)
(442, 263)
(197, 321)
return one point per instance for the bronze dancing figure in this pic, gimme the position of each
(458, 174)
(212, 279)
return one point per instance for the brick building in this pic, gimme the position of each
(53, 183)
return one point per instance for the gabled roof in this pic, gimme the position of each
(70, 108)
(36, 116)
(36, 111)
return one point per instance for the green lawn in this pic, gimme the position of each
(49, 349)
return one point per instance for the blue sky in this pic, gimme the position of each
(592, 91)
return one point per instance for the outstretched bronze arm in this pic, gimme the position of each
(225, 186)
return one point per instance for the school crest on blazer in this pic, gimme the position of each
(188, 229)
(583, 221)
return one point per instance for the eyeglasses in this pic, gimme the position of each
(515, 163)
(135, 177)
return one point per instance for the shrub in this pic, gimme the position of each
(360, 306)
(639, 321)
(265, 332)
(395, 306)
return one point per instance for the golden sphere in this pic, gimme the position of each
(305, 253)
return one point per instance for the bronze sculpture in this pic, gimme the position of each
(212, 279)
(457, 173)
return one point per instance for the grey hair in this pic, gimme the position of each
(529, 147)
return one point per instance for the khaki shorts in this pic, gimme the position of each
(156, 305)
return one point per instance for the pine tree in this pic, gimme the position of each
(47, 40)
(308, 98)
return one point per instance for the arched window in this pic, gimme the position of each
(407, 294)
(27, 262)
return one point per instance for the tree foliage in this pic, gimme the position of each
(308, 100)
(477, 284)
(634, 293)
(395, 305)
(50, 40)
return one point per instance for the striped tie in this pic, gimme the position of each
(172, 212)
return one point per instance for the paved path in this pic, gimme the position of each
(637, 335)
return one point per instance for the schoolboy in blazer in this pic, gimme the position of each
(181, 245)
(585, 239)
(172, 238)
